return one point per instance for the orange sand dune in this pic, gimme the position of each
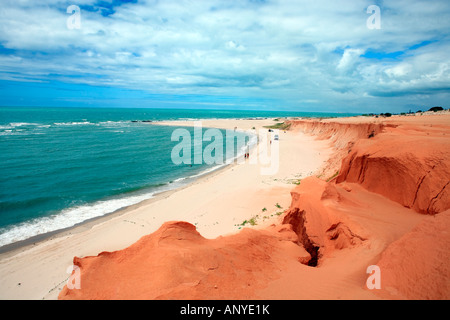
(176, 262)
(417, 265)
(388, 206)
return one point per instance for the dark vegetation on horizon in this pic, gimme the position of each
(387, 114)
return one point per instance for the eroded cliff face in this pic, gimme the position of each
(319, 227)
(340, 134)
(411, 170)
(342, 137)
(408, 164)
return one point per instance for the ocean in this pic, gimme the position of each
(62, 166)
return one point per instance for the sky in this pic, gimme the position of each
(299, 55)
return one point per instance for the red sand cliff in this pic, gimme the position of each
(411, 168)
(389, 206)
(407, 163)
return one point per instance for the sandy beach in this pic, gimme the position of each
(216, 204)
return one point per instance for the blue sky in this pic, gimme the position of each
(297, 55)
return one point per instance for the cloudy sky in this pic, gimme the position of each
(304, 55)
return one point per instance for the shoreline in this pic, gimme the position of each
(21, 245)
(87, 224)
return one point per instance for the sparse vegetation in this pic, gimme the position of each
(294, 181)
(280, 126)
(333, 176)
(253, 221)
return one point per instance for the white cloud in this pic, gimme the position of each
(349, 59)
(399, 70)
(290, 50)
(234, 46)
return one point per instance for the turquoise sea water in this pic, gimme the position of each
(62, 166)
